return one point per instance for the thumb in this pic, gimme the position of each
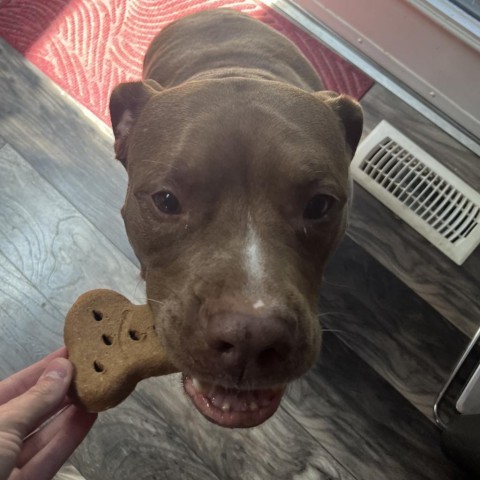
(24, 413)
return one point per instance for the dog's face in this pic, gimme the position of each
(237, 196)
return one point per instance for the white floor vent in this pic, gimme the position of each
(421, 191)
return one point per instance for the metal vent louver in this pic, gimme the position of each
(421, 191)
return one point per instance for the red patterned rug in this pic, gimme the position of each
(89, 46)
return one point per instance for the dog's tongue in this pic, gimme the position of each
(233, 408)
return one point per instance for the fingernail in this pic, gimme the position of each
(57, 369)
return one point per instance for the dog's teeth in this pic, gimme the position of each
(197, 385)
(226, 407)
(253, 406)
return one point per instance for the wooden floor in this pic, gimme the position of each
(363, 412)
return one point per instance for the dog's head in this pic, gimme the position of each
(237, 196)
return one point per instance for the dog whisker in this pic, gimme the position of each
(324, 314)
(333, 330)
(135, 296)
(156, 301)
(335, 284)
(164, 287)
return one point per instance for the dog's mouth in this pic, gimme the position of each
(233, 408)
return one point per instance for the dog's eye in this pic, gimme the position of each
(318, 207)
(167, 203)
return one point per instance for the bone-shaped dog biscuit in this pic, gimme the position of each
(112, 345)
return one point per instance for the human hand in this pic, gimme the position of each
(29, 398)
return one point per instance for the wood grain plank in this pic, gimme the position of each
(131, 442)
(371, 429)
(65, 143)
(450, 289)
(385, 323)
(51, 243)
(31, 326)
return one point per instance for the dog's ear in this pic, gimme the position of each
(126, 103)
(350, 113)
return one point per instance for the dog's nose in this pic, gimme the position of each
(242, 342)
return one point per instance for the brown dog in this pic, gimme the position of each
(238, 186)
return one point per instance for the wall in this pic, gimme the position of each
(407, 43)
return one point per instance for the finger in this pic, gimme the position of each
(49, 417)
(46, 463)
(43, 437)
(20, 415)
(21, 381)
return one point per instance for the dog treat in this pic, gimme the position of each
(112, 345)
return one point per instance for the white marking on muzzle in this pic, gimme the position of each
(258, 304)
(254, 262)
